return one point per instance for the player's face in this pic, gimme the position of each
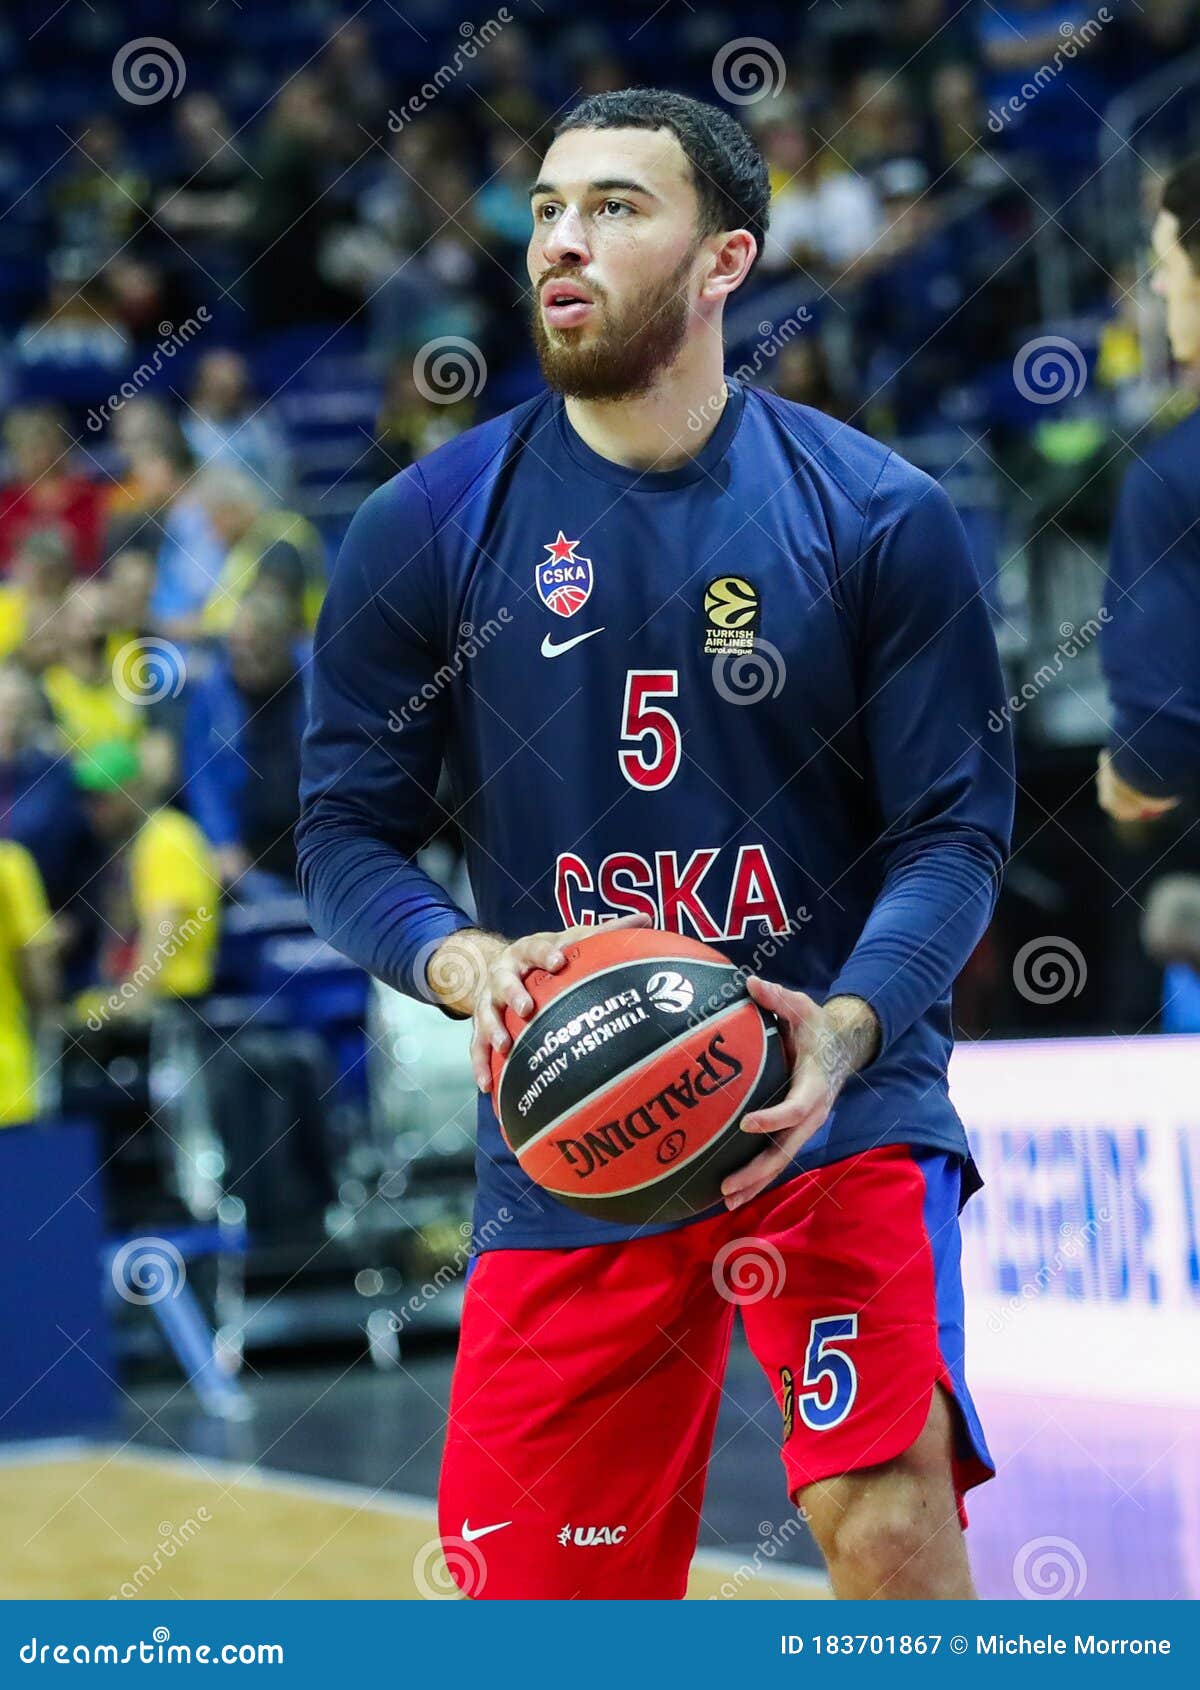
(612, 260)
(1177, 283)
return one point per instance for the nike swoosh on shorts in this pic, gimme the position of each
(469, 1534)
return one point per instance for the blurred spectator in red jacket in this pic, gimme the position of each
(44, 491)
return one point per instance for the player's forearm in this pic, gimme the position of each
(374, 904)
(921, 931)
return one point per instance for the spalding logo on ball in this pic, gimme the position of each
(624, 1092)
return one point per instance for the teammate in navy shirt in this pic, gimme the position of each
(1152, 632)
(703, 659)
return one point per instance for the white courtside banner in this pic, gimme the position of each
(1081, 1256)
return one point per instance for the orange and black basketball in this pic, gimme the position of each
(623, 1093)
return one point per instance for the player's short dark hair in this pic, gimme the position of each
(1181, 197)
(729, 171)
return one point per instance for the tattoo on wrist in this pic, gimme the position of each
(849, 1041)
(458, 969)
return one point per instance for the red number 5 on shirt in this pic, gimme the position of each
(654, 762)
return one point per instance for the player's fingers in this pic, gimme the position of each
(488, 1019)
(796, 1007)
(481, 1065)
(787, 1117)
(747, 1182)
(807, 1095)
(548, 950)
(569, 934)
(539, 950)
(508, 988)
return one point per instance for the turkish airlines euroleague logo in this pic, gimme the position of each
(703, 1076)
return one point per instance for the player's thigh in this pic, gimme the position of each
(581, 1420)
(868, 1316)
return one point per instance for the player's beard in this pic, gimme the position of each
(625, 355)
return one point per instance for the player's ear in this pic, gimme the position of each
(730, 258)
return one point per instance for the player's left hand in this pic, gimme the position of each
(825, 1044)
(1124, 803)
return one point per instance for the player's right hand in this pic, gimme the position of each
(481, 975)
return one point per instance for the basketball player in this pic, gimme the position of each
(546, 603)
(1152, 637)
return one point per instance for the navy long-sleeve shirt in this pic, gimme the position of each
(829, 807)
(1150, 646)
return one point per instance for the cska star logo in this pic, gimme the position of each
(564, 581)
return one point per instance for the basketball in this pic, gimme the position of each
(623, 1094)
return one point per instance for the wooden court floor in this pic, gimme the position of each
(101, 1522)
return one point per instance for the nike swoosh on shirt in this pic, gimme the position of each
(549, 649)
(469, 1535)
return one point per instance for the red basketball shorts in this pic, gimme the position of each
(587, 1385)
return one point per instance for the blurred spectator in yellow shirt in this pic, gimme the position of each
(89, 706)
(145, 666)
(99, 201)
(32, 598)
(411, 423)
(28, 978)
(158, 892)
(128, 585)
(263, 544)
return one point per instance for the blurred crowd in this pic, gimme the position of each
(163, 551)
(318, 166)
(154, 627)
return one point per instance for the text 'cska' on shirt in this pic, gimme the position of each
(749, 696)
